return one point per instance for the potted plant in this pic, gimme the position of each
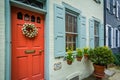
(79, 54)
(85, 51)
(101, 57)
(69, 56)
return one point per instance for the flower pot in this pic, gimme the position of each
(86, 56)
(99, 71)
(79, 58)
(69, 62)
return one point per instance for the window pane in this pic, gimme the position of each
(71, 28)
(116, 38)
(71, 41)
(96, 28)
(96, 41)
(71, 23)
(96, 33)
(109, 37)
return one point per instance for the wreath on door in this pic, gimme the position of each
(29, 30)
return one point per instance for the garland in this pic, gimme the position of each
(29, 30)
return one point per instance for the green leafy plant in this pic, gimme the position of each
(79, 52)
(101, 56)
(117, 59)
(85, 50)
(69, 55)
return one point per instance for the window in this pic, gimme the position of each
(108, 4)
(96, 33)
(19, 15)
(26, 17)
(117, 9)
(113, 6)
(116, 38)
(35, 3)
(109, 37)
(32, 18)
(38, 20)
(71, 30)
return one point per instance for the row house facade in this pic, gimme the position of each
(57, 24)
(112, 24)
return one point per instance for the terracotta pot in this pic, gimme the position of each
(86, 56)
(99, 71)
(79, 58)
(69, 62)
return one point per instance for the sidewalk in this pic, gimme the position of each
(115, 76)
(93, 78)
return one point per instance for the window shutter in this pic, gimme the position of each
(101, 35)
(91, 33)
(82, 32)
(59, 30)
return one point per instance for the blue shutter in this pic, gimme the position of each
(91, 33)
(59, 30)
(82, 32)
(101, 35)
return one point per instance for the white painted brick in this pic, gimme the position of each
(88, 9)
(2, 40)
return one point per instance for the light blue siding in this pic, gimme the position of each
(59, 30)
(91, 33)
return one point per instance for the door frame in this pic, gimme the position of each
(8, 4)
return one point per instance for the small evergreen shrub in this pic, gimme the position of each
(117, 59)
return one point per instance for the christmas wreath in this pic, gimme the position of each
(29, 30)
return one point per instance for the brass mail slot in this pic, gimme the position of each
(29, 51)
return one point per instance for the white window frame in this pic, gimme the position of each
(117, 9)
(115, 37)
(118, 38)
(108, 4)
(113, 6)
(107, 26)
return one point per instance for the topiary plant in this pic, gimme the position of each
(101, 56)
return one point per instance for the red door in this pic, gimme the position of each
(27, 53)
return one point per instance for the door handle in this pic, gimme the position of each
(40, 51)
(29, 51)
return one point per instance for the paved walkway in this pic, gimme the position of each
(115, 76)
